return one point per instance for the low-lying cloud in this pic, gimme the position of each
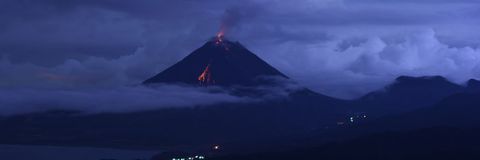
(121, 99)
(112, 100)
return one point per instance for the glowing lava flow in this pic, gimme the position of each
(206, 77)
(219, 40)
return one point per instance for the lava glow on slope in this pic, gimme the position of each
(206, 77)
(219, 40)
(219, 37)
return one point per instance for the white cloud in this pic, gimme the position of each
(376, 61)
(121, 99)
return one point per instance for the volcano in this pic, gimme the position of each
(219, 62)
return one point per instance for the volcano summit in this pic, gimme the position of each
(219, 62)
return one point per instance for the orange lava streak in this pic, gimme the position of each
(206, 76)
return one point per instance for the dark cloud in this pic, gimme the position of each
(343, 48)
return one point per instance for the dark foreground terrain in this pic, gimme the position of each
(430, 143)
(407, 120)
(447, 130)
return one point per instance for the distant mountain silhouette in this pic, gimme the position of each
(410, 93)
(218, 62)
(473, 85)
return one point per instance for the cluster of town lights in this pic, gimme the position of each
(190, 158)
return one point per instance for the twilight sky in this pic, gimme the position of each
(342, 48)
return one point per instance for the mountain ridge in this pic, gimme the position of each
(408, 93)
(218, 62)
